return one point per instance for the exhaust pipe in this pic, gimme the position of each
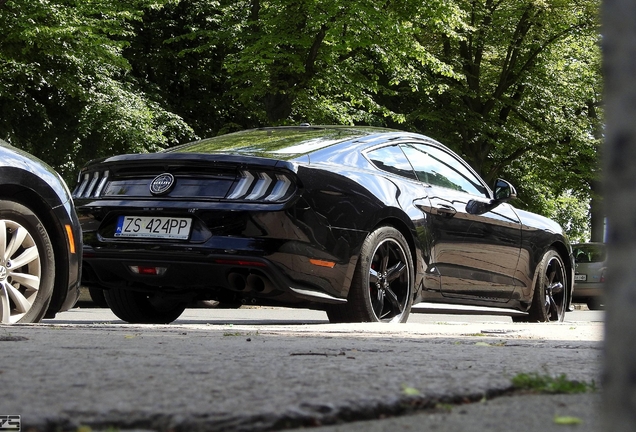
(259, 284)
(237, 281)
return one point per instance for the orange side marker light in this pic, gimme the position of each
(71, 238)
(322, 263)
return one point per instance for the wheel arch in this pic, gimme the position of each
(408, 233)
(564, 252)
(403, 228)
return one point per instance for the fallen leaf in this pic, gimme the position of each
(410, 391)
(567, 420)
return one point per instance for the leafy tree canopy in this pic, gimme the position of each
(65, 91)
(514, 86)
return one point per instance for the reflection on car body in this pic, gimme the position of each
(361, 222)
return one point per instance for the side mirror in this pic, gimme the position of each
(504, 191)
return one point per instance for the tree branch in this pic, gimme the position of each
(494, 170)
(472, 52)
(508, 75)
(533, 55)
(505, 81)
(313, 51)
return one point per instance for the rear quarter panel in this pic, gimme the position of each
(352, 202)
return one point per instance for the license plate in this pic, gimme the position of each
(158, 227)
(580, 277)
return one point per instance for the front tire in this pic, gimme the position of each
(382, 285)
(550, 293)
(142, 308)
(27, 265)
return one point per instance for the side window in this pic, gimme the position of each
(392, 159)
(439, 168)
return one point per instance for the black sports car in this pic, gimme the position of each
(361, 222)
(40, 240)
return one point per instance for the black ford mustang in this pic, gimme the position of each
(361, 222)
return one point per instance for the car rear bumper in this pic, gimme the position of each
(586, 290)
(269, 252)
(278, 277)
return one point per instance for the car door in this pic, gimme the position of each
(475, 254)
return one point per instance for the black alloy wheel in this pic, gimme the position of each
(382, 285)
(143, 308)
(550, 296)
(27, 265)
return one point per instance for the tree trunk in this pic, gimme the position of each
(597, 213)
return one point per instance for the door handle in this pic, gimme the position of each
(446, 211)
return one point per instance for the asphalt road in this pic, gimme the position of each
(260, 369)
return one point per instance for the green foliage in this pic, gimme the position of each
(548, 384)
(260, 62)
(526, 70)
(572, 214)
(66, 94)
(569, 208)
(524, 103)
(512, 86)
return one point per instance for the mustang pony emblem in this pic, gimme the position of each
(162, 184)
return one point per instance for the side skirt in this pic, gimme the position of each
(447, 308)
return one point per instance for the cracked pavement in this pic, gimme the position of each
(206, 375)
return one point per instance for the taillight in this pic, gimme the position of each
(148, 270)
(261, 186)
(91, 184)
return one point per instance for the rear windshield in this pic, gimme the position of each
(589, 253)
(276, 142)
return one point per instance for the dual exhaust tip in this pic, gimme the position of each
(249, 283)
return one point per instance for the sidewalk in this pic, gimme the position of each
(196, 376)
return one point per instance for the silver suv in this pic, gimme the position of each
(589, 278)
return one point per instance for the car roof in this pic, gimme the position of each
(284, 142)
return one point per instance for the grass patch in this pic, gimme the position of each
(554, 385)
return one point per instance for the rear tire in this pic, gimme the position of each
(27, 265)
(382, 285)
(97, 296)
(142, 308)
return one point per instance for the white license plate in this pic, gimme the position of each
(580, 277)
(158, 227)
